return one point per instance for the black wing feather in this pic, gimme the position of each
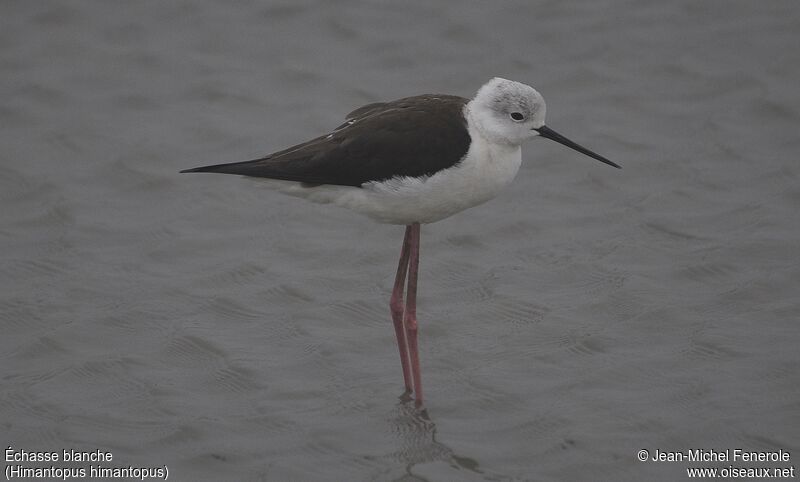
(414, 136)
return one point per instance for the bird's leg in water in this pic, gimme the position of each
(410, 314)
(397, 308)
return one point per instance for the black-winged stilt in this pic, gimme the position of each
(413, 161)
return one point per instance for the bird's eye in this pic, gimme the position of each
(517, 116)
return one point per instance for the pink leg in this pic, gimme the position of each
(397, 309)
(410, 315)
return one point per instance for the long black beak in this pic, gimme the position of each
(549, 133)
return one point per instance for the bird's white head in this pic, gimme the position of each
(508, 112)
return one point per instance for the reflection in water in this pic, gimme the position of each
(418, 444)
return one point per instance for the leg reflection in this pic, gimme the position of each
(418, 442)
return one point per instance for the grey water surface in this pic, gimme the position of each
(210, 325)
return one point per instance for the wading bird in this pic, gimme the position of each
(413, 161)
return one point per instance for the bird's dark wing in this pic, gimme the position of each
(363, 112)
(414, 136)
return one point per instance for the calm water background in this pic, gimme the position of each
(208, 324)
